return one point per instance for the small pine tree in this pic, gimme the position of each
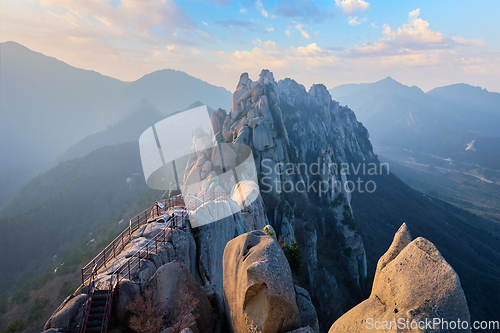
(292, 254)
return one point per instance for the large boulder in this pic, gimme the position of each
(126, 294)
(258, 286)
(212, 239)
(262, 136)
(180, 246)
(217, 120)
(178, 295)
(307, 311)
(65, 319)
(413, 284)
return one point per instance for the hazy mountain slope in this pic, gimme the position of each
(171, 91)
(381, 105)
(474, 98)
(46, 106)
(402, 117)
(59, 208)
(126, 130)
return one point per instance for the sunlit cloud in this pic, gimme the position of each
(352, 6)
(353, 20)
(302, 31)
(131, 38)
(259, 6)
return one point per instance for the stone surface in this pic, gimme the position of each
(243, 135)
(413, 282)
(262, 136)
(178, 294)
(222, 153)
(126, 294)
(64, 319)
(217, 119)
(258, 285)
(307, 312)
(212, 239)
(306, 329)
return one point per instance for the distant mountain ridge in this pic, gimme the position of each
(47, 106)
(469, 96)
(405, 117)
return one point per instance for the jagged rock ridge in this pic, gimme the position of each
(286, 127)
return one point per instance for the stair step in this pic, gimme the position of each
(98, 310)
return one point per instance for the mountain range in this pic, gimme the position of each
(95, 178)
(47, 106)
(442, 121)
(445, 142)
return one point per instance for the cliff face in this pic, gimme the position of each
(301, 143)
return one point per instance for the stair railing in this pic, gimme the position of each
(113, 283)
(90, 293)
(152, 247)
(118, 244)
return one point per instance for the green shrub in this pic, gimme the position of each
(292, 254)
(268, 232)
(348, 220)
(21, 295)
(3, 304)
(65, 289)
(37, 309)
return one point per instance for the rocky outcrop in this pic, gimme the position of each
(178, 295)
(67, 318)
(307, 312)
(126, 294)
(212, 239)
(258, 286)
(413, 283)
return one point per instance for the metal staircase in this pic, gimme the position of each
(97, 310)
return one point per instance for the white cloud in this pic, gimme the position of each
(264, 13)
(123, 43)
(311, 49)
(243, 10)
(352, 6)
(270, 30)
(205, 23)
(411, 38)
(353, 20)
(302, 31)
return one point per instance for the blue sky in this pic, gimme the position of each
(423, 43)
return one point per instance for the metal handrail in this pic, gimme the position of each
(149, 248)
(118, 244)
(109, 304)
(213, 196)
(83, 323)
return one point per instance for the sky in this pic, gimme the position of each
(423, 43)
